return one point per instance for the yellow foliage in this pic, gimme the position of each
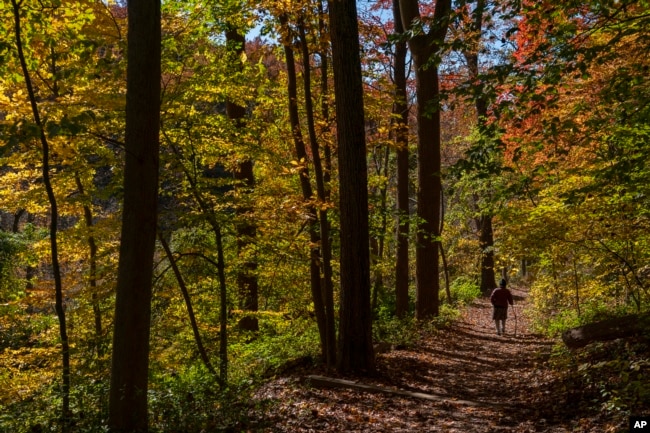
(23, 372)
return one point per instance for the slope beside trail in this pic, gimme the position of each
(481, 382)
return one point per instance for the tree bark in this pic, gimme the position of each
(400, 112)
(423, 48)
(15, 226)
(429, 186)
(610, 329)
(355, 351)
(128, 409)
(486, 245)
(223, 311)
(484, 221)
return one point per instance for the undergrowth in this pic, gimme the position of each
(407, 331)
(607, 380)
(183, 395)
(554, 323)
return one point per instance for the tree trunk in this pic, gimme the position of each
(54, 218)
(327, 172)
(486, 245)
(326, 248)
(223, 310)
(129, 370)
(484, 221)
(377, 245)
(246, 229)
(576, 281)
(355, 351)
(610, 329)
(423, 48)
(429, 186)
(400, 113)
(445, 268)
(15, 226)
(324, 91)
(92, 271)
(317, 292)
(211, 218)
(30, 271)
(188, 304)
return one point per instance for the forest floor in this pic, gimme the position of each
(478, 382)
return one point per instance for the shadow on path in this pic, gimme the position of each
(486, 383)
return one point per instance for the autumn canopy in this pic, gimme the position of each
(194, 194)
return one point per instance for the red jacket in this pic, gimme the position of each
(501, 297)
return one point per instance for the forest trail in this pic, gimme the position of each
(485, 382)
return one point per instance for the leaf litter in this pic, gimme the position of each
(486, 383)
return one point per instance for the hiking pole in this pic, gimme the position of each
(514, 312)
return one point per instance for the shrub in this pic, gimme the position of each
(463, 291)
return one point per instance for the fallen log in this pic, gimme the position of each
(605, 330)
(323, 382)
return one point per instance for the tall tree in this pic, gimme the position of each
(321, 191)
(318, 296)
(129, 369)
(324, 45)
(484, 218)
(400, 113)
(355, 351)
(54, 213)
(246, 230)
(425, 45)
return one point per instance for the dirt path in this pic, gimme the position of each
(487, 383)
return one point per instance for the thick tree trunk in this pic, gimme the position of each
(246, 229)
(129, 370)
(400, 112)
(246, 234)
(327, 173)
(355, 351)
(429, 187)
(15, 226)
(424, 47)
(486, 244)
(605, 330)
